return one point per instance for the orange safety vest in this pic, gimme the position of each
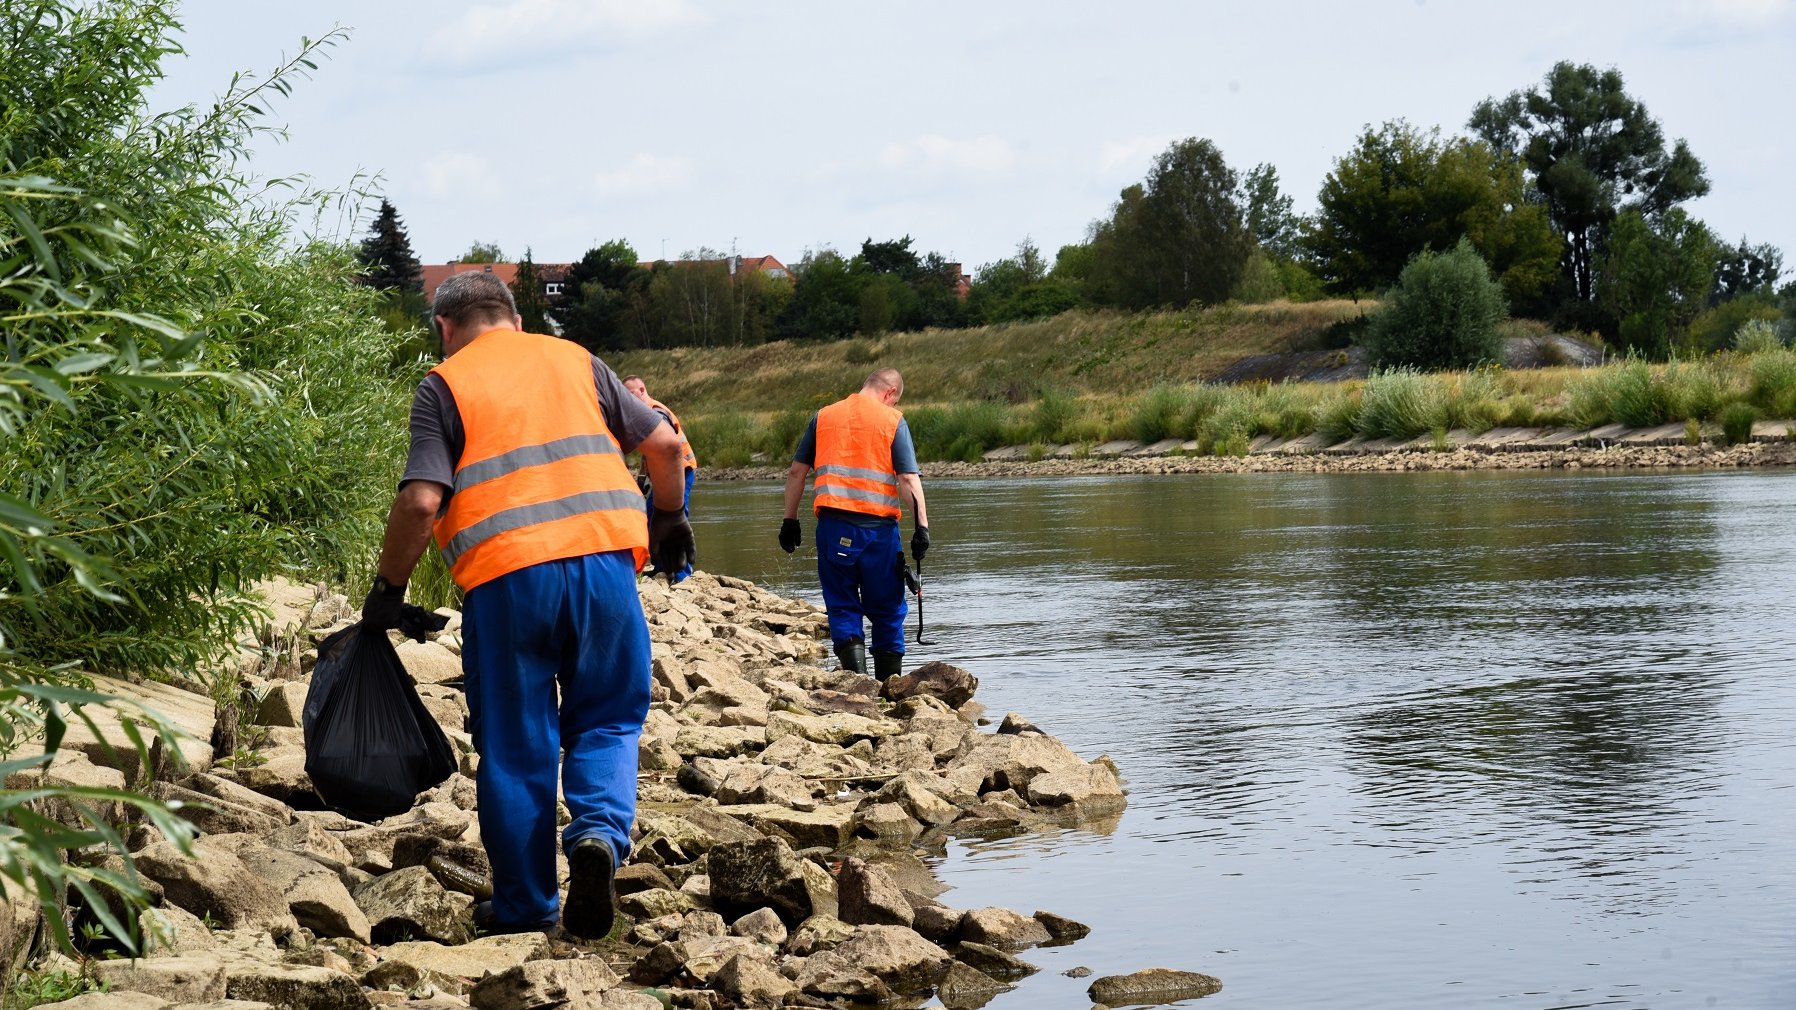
(541, 476)
(854, 457)
(687, 459)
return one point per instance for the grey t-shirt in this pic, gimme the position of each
(438, 439)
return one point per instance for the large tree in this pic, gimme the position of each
(1177, 239)
(1593, 153)
(1402, 190)
(483, 252)
(1270, 219)
(527, 292)
(386, 254)
(1655, 277)
(599, 291)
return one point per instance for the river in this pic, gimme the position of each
(1516, 740)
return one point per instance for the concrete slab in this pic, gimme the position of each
(1606, 433)
(1072, 450)
(1120, 447)
(1164, 447)
(1006, 454)
(1313, 442)
(1555, 438)
(1352, 447)
(1664, 434)
(1497, 438)
(1774, 431)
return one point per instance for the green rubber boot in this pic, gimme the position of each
(887, 665)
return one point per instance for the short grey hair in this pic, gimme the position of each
(473, 296)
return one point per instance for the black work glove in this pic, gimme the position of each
(670, 542)
(790, 535)
(417, 624)
(919, 543)
(380, 610)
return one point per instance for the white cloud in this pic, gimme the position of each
(1742, 13)
(984, 155)
(456, 175)
(1128, 158)
(533, 27)
(645, 173)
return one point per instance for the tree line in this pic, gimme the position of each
(1567, 194)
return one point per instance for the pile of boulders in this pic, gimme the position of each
(783, 812)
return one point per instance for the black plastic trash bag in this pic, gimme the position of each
(371, 747)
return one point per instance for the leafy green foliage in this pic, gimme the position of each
(1736, 423)
(1655, 278)
(527, 294)
(1178, 238)
(1401, 191)
(190, 398)
(1593, 152)
(32, 989)
(1443, 313)
(483, 252)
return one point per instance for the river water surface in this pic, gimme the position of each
(1397, 741)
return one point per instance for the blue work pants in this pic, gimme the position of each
(556, 665)
(859, 568)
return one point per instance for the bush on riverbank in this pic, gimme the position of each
(194, 396)
(1398, 403)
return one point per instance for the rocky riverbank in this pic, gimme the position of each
(785, 811)
(1574, 457)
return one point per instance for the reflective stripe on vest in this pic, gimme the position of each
(541, 476)
(854, 457)
(687, 459)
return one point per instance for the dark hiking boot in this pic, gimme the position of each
(852, 654)
(887, 664)
(591, 895)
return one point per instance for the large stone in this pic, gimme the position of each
(295, 987)
(429, 662)
(195, 979)
(284, 704)
(1001, 927)
(1089, 790)
(898, 955)
(963, 985)
(992, 961)
(172, 931)
(308, 838)
(749, 980)
(109, 1001)
(468, 962)
(819, 933)
(655, 902)
(1153, 986)
(813, 760)
(19, 918)
(410, 904)
(1061, 928)
(828, 826)
(832, 976)
(886, 820)
(866, 895)
(763, 873)
(216, 883)
(760, 783)
(1010, 761)
(951, 684)
(835, 728)
(719, 741)
(316, 896)
(539, 984)
(281, 775)
(212, 816)
(762, 926)
(191, 713)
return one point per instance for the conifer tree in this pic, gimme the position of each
(527, 291)
(387, 254)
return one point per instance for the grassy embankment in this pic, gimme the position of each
(1090, 377)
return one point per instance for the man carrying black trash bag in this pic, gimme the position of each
(517, 468)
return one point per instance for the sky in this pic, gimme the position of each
(779, 128)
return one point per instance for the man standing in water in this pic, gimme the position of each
(866, 471)
(640, 390)
(517, 466)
